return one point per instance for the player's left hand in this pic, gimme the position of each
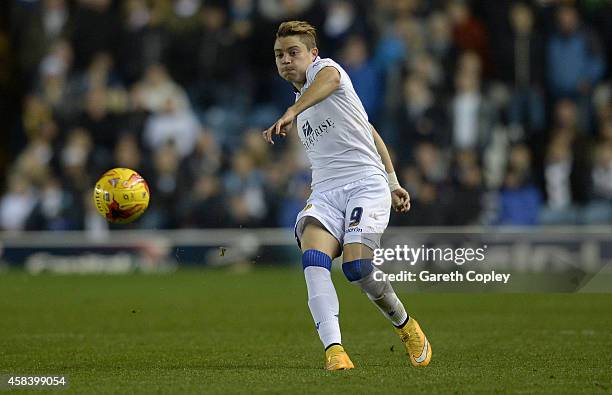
(280, 127)
(400, 200)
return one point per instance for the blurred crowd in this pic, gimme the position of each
(495, 112)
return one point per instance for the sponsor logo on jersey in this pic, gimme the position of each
(312, 136)
(307, 129)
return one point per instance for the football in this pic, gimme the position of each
(121, 195)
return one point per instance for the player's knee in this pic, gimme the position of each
(357, 269)
(353, 251)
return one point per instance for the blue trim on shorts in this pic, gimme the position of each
(316, 258)
(358, 269)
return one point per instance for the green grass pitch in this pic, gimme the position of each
(216, 331)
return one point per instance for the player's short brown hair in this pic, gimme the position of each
(306, 32)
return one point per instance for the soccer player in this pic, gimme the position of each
(353, 187)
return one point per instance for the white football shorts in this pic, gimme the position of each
(353, 213)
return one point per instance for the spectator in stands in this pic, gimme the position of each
(80, 163)
(152, 92)
(244, 185)
(522, 67)
(465, 205)
(17, 204)
(605, 130)
(36, 113)
(96, 28)
(294, 200)
(342, 19)
(52, 211)
(602, 101)
(575, 62)
(99, 75)
(469, 33)
(567, 169)
(426, 67)
(254, 146)
(364, 74)
(241, 16)
(557, 173)
(40, 153)
(599, 210)
(205, 158)
(173, 124)
(431, 162)
(220, 76)
(440, 43)
(277, 10)
(142, 39)
(419, 117)
(471, 113)
(42, 132)
(128, 154)
(392, 49)
(36, 30)
(99, 120)
(427, 208)
(181, 26)
(427, 182)
(287, 183)
(52, 82)
(165, 186)
(519, 200)
(275, 189)
(206, 207)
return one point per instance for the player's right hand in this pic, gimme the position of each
(281, 127)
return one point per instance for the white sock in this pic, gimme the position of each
(383, 296)
(323, 303)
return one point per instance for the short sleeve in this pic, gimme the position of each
(320, 64)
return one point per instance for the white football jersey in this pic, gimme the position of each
(336, 134)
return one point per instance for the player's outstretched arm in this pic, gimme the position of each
(400, 199)
(325, 83)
